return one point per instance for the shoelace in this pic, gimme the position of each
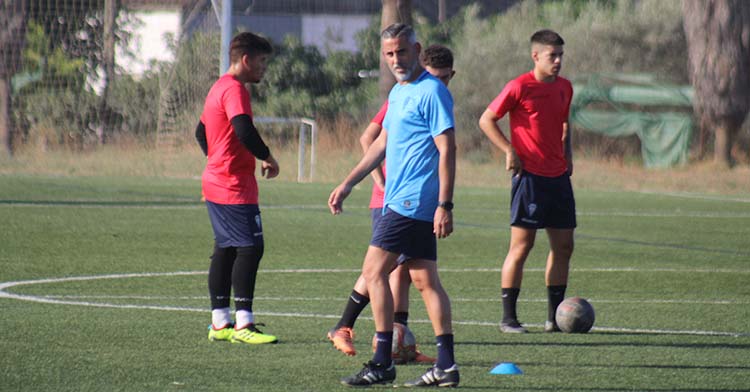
(252, 328)
(366, 369)
(347, 334)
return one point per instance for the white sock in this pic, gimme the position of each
(221, 317)
(244, 318)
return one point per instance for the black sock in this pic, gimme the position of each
(354, 306)
(401, 318)
(243, 276)
(510, 297)
(220, 276)
(383, 348)
(555, 295)
(445, 357)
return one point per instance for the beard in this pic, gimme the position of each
(404, 75)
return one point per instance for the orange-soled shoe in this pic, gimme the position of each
(342, 339)
(421, 358)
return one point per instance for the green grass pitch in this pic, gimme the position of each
(103, 288)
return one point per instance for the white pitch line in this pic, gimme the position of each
(697, 196)
(324, 299)
(49, 300)
(5, 285)
(686, 214)
(481, 269)
(334, 316)
(146, 205)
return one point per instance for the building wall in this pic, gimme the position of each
(275, 27)
(333, 32)
(149, 40)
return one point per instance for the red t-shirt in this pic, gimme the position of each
(378, 194)
(229, 177)
(537, 113)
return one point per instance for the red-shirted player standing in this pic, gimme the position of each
(539, 156)
(228, 137)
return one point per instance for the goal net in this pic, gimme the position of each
(80, 73)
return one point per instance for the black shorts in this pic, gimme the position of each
(377, 214)
(411, 238)
(538, 202)
(235, 225)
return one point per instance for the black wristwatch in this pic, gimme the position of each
(447, 205)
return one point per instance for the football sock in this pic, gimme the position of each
(220, 318)
(220, 277)
(445, 357)
(510, 297)
(354, 306)
(555, 295)
(244, 318)
(401, 318)
(243, 276)
(383, 348)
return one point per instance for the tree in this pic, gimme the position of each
(108, 63)
(394, 11)
(12, 29)
(718, 41)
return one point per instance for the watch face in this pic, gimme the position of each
(446, 204)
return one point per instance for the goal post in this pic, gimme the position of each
(305, 125)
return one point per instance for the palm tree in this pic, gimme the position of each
(718, 40)
(12, 30)
(394, 11)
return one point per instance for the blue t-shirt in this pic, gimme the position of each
(417, 112)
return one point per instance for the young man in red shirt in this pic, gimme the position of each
(438, 61)
(540, 158)
(231, 142)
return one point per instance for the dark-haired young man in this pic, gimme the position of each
(540, 157)
(418, 138)
(231, 142)
(438, 61)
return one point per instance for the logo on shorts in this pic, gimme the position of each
(532, 208)
(259, 233)
(407, 204)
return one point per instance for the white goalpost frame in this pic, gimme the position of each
(224, 15)
(302, 137)
(225, 22)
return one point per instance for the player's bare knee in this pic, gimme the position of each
(563, 251)
(521, 249)
(373, 273)
(420, 284)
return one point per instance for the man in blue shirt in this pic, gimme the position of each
(418, 138)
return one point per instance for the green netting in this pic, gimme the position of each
(664, 133)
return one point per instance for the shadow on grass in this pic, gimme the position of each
(734, 346)
(92, 203)
(558, 389)
(627, 241)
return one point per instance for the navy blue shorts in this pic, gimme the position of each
(538, 202)
(411, 238)
(235, 225)
(377, 214)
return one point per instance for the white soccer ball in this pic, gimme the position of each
(404, 347)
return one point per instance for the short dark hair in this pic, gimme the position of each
(437, 56)
(250, 44)
(547, 37)
(399, 30)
